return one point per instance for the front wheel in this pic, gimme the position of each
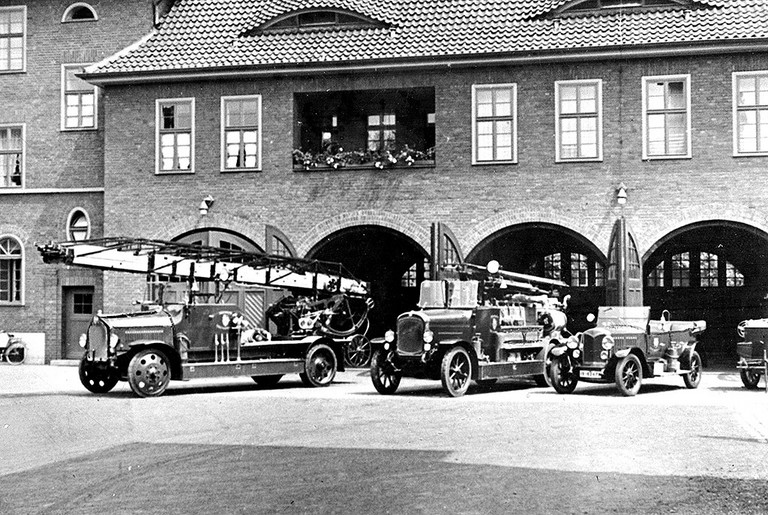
(750, 378)
(693, 378)
(97, 377)
(562, 376)
(629, 375)
(384, 376)
(319, 366)
(149, 373)
(15, 353)
(456, 371)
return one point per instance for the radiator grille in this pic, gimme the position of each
(410, 335)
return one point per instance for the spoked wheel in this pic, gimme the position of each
(750, 378)
(384, 376)
(267, 381)
(149, 373)
(97, 377)
(15, 353)
(456, 371)
(562, 376)
(319, 366)
(629, 375)
(693, 378)
(358, 351)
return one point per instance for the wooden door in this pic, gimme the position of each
(78, 311)
(445, 249)
(624, 281)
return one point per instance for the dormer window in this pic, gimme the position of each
(79, 11)
(598, 5)
(315, 20)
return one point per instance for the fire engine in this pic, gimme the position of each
(191, 339)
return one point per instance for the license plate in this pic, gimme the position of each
(591, 374)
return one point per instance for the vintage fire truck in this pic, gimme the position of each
(193, 339)
(752, 352)
(474, 323)
(625, 347)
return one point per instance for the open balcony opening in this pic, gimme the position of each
(365, 129)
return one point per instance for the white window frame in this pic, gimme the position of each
(23, 9)
(223, 167)
(598, 114)
(686, 79)
(23, 154)
(63, 101)
(69, 223)
(475, 88)
(735, 76)
(65, 18)
(21, 300)
(158, 122)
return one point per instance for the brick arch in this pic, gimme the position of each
(250, 231)
(480, 233)
(420, 235)
(691, 216)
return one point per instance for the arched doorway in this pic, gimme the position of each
(715, 271)
(392, 262)
(548, 250)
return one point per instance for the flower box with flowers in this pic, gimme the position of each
(337, 158)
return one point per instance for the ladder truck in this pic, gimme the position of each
(197, 338)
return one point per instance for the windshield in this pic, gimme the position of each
(635, 316)
(448, 294)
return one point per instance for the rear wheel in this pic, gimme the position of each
(267, 381)
(562, 376)
(97, 377)
(693, 378)
(358, 351)
(15, 353)
(629, 375)
(383, 374)
(149, 373)
(750, 378)
(456, 371)
(319, 366)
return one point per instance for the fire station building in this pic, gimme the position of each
(618, 145)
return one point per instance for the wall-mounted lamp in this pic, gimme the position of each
(621, 194)
(205, 205)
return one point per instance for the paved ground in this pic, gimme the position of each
(227, 446)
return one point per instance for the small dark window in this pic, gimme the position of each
(82, 304)
(79, 12)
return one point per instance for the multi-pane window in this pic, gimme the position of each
(578, 120)
(552, 266)
(732, 276)
(175, 119)
(599, 274)
(279, 248)
(666, 117)
(241, 126)
(10, 270)
(751, 116)
(11, 156)
(381, 132)
(681, 270)
(656, 276)
(451, 253)
(494, 112)
(78, 100)
(708, 269)
(82, 303)
(12, 25)
(633, 256)
(409, 278)
(79, 227)
(579, 270)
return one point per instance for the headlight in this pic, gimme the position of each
(572, 343)
(428, 337)
(386, 346)
(113, 341)
(608, 342)
(83, 341)
(427, 347)
(576, 353)
(389, 336)
(604, 355)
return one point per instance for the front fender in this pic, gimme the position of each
(558, 351)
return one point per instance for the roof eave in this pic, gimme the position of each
(433, 62)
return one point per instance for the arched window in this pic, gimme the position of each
(280, 248)
(79, 11)
(11, 270)
(694, 268)
(78, 225)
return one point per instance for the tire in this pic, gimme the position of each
(561, 376)
(267, 381)
(541, 380)
(750, 378)
(456, 371)
(15, 353)
(149, 373)
(319, 366)
(383, 375)
(693, 378)
(357, 353)
(629, 375)
(97, 377)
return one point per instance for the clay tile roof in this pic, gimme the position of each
(224, 34)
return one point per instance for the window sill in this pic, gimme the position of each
(174, 172)
(366, 166)
(79, 129)
(751, 154)
(666, 158)
(240, 170)
(487, 163)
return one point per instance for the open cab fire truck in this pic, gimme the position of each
(191, 339)
(475, 323)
